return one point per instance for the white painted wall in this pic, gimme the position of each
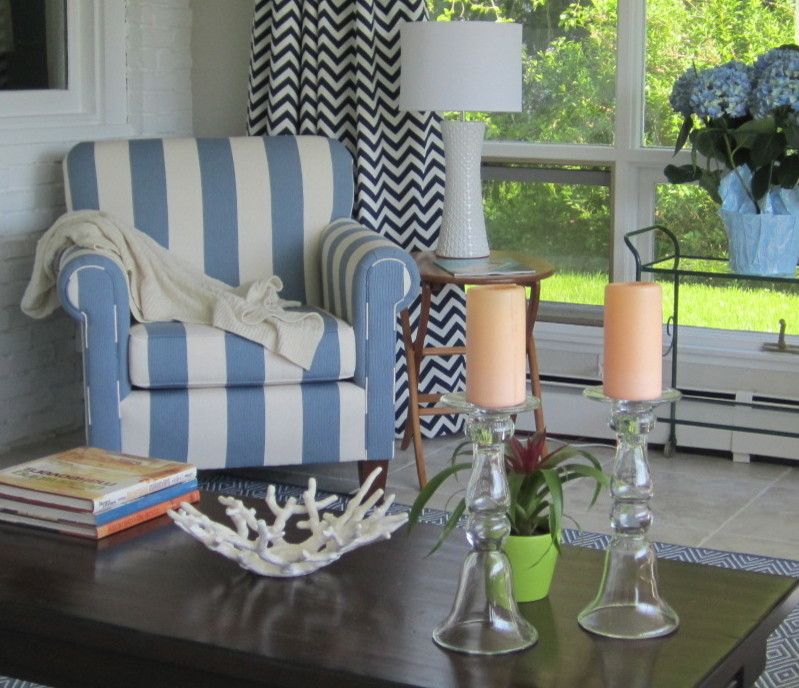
(220, 62)
(40, 390)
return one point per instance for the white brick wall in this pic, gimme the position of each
(40, 389)
(159, 66)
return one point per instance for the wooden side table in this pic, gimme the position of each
(433, 278)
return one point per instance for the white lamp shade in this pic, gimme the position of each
(461, 65)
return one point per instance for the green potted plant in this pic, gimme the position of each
(536, 510)
(743, 124)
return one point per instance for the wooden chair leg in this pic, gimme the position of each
(413, 430)
(366, 467)
(411, 425)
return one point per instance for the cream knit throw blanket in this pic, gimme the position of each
(162, 286)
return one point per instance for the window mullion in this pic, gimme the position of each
(630, 68)
(630, 71)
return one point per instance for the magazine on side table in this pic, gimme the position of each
(476, 267)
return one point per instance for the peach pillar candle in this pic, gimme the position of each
(633, 341)
(495, 345)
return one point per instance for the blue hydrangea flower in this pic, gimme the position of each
(777, 83)
(722, 90)
(766, 59)
(680, 97)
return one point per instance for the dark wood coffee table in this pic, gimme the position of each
(152, 607)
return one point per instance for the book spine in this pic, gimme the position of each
(145, 514)
(55, 513)
(103, 517)
(131, 492)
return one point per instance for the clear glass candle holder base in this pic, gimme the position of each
(485, 619)
(628, 605)
(629, 622)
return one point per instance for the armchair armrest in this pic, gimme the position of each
(93, 290)
(366, 280)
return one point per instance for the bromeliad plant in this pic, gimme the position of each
(536, 482)
(741, 119)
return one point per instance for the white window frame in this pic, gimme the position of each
(96, 93)
(630, 162)
(711, 359)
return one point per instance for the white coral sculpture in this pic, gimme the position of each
(269, 554)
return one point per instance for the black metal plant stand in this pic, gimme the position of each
(676, 266)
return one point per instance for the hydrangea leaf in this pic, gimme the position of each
(682, 174)
(685, 130)
(767, 148)
(761, 181)
(788, 172)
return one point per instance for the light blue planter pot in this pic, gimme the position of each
(762, 244)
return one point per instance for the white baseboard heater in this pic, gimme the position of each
(744, 424)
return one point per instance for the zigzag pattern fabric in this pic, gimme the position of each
(239, 209)
(332, 68)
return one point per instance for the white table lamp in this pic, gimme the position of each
(459, 66)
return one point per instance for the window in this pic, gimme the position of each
(568, 74)
(32, 44)
(94, 92)
(561, 214)
(597, 77)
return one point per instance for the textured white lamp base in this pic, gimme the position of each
(463, 227)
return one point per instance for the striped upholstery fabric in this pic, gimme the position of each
(240, 427)
(364, 276)
(166, 355)
(240, 209)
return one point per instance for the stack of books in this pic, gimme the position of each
(93, 493)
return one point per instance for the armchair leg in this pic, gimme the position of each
(366, 467)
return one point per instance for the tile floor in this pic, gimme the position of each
(700, 500)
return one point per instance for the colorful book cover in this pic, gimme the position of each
(97, 532)
(24, 507)
(91, 479)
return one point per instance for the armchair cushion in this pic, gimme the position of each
(173, 355)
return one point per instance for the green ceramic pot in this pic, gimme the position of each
(532, 559)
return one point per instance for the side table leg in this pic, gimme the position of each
(535, 383)
(532, 357)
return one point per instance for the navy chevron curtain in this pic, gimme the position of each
(331, 67)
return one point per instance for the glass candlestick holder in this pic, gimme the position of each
(485, 619)
(628, 604)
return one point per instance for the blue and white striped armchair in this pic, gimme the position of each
(239, 209)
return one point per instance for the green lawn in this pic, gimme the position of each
(702, 305)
